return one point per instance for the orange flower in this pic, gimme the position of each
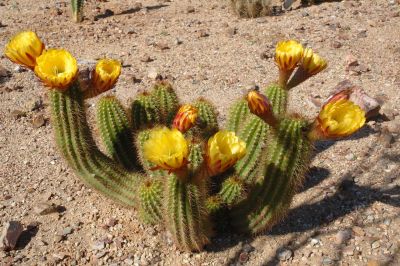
(185, 118)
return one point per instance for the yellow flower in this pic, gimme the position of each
(224, 149)
(24, 48)
(288, 54)
(167, 148)
(57, 68)
(185, 118)
(338, 118)
(105, 76)
(312, 63)
(258, 103)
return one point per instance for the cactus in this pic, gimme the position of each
(251, 8)
(150, 195)
(77, 10)
(116, 132)
(196, 181)
(144, 112)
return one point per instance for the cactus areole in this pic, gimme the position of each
(173, 162)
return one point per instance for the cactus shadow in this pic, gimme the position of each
(349, 197)
(314, 176)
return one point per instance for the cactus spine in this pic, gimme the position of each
(207, 120)
(77, 10)
(144, 112)
(251, 8)
(116, 132)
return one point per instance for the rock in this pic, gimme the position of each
(285, 254)
(38, 121)
(16, 114)
(351, 60)
(9, 237)
(350, 157)
(34, 105)
(178, 41)
(342, 236)
(67, 231)
(327, 261)
(202, 33)
(375, 244)
(386, 138)
(336, 44)
(190, 9)
(111, 222)
(98, 245)
(145, 58)
(43, 208)
(243, 257)
(153, 74)
(162, 46)
(314, 241)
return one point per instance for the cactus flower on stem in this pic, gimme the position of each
(311, 64)
(24, 48)
(185, 118)
(104, 77)
(224, 149)
(166, 148)
(261, 107)
(287, 56)
(56, 68)
(338, 118)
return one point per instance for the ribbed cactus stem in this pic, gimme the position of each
(270, 198)
(186, 215)
(278, 98)
(253, 133)
(75, 141)
(144, 112)
(77, 10)
(238, 115)
(116, 132)
(196, 158)
(207, 118)
(232, 190)
(166, 100)
(150, 198)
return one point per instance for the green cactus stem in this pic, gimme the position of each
(75, 141)
(278, 98)
(150, 195)
(238, 114)
(166, 101)
(252, 8)
(232, 190)
(207, 118)
(270, 198)
(77, 10)
(144, 112)
(116, 132)
(254, 134)
(186, 215)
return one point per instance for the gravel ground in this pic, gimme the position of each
(348, 211)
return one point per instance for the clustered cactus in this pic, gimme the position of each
(251, 8)
(173, 162)
(77, 10)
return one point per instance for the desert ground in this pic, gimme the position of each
(346, 214)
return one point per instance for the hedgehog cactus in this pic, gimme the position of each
(77, 10)
(171, 161)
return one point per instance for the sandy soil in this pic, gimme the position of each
(348, 211)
